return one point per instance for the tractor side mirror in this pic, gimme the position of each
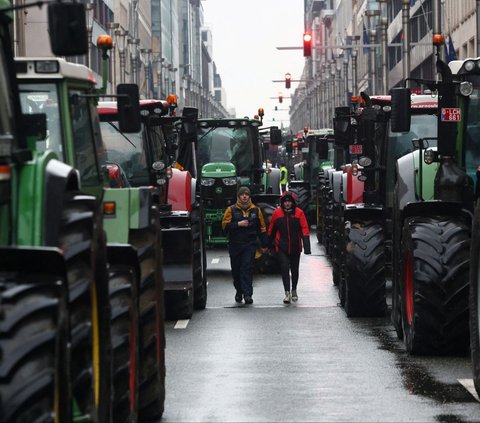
(189, 124)
(401, 116)
(342, 126)
(128, 105)
(275, 136)
(68, 29)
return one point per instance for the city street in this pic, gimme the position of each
(302, 362)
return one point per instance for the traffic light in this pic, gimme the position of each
(288, 80)
(276, 108)
(280, 99)
(307, 44)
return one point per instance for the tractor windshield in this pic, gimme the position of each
(225, 144)
(43, 98)
(126, 150)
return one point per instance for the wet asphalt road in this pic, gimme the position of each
(304, 362)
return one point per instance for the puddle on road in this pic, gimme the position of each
(416, 377)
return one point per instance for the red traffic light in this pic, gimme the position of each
(288, 80)
(307, 44)
(280, 99)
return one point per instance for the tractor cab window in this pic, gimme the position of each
(42, 97)
(224, 144)
(126, 150)
(85, 145)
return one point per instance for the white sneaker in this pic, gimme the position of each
(287, 298)
(294, 296)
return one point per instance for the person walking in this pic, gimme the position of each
(287, 231)
(244, 223)
(283, 177)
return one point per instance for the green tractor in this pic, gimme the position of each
(54, 300)
(317, 158)
(432, 217)
(66, 93)
(231, 153)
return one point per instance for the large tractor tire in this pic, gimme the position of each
(34, 349)
(364, 269)
(435, 259)
(152, 321)
(82, 240)
(123, 289)
(266, 263)
(199, 258)
(474, 300)
(303, 200)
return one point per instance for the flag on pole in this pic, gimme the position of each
(365, 39)
(450, 50)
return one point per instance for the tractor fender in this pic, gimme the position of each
(124, 254)
(59, 178)
(436, 208)
(180, 193)
(34, 260)
(298, 171)
(363, 212)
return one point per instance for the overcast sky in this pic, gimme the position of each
(245, 37)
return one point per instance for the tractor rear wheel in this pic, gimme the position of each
(82, 240)
(33, 346)
(123, 289)
(303, 200)
(364, 269)
(199, 258)
(435, 266)
(474, 300)
(152, 321)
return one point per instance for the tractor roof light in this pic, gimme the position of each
(261, 112)
(104, 42)
(438, 39)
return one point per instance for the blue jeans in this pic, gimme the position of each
(242, 258)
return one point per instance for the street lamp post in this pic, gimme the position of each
(147, 54)
(406, 39)
(112, 27)
(121, 39)
(89, 11)
(384, 45)
(133, 48)
(371, 15)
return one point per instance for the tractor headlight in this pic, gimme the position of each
(208, 182)
(230, 181)
(466, 88)
(429, 156)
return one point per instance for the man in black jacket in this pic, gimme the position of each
(244, 223)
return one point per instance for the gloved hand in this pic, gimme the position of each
(306, 245)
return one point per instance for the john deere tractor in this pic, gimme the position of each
(231, 153)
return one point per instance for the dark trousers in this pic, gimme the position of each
(289, 264)
(242, 259)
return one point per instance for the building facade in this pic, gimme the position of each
(161, 45)
(358, 47)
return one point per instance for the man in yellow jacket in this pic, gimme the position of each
(244, 223)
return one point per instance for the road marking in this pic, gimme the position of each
(181, 324)
(215, 260)
(470, 387)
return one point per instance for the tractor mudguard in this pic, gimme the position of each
(336, 185)
(363, 212)
(177, 251)
(181, 190)
(436, 208)
(32, 260)
(123, 254)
